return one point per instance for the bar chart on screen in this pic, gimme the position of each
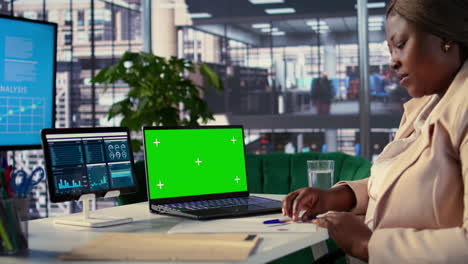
(98, 175)
(69, 180)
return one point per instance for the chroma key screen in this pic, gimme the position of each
(187, 162)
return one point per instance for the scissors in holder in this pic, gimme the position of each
(23, 183)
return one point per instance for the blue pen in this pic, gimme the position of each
(283, 221)
(276, 221)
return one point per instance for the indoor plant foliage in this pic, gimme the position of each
(160, 91)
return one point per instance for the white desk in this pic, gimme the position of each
(47, 241)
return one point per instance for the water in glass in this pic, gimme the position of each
(322, 179)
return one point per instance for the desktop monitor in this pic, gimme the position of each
(27, 81)
(82, 161)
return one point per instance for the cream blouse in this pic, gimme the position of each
(380, 167)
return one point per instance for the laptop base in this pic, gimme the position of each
(266, 207)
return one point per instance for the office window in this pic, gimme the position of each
(67, 17)
(81, 36)
(102, 16)
(53, 16)
(81, 18)
(271, 65)
(30, 14)
(78, 102)
(67, 36)
(98, 35)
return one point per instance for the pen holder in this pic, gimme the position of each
(14, 218)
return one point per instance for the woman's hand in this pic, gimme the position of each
(311, 200)
(349, 232)
(314, 201)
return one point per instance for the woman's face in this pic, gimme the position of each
(419, 58)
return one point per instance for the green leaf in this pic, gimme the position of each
(157, 87)
(211, 77)
(101, 77)
(136, 145)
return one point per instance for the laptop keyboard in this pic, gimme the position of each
(217, 203)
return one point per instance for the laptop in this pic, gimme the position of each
(200, 173)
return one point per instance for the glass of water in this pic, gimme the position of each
(320, 173)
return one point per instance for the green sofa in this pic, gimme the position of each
(279, 173)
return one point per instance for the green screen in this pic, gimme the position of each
(186, 162)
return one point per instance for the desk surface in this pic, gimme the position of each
(47, 240)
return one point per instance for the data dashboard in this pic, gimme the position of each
(90, 162)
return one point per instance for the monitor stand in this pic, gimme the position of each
(94, 220)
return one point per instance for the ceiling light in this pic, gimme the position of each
(376, 5)
(375, 27)
(261, 25)
(375, 23)
(262, 2)
(269, 29)
(376, 19)
(275, 11)
(200, 15)
(313, 23)
(278, 33)
(320, 27)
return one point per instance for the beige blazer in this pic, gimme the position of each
(421, 215)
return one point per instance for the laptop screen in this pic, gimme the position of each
(194, 161)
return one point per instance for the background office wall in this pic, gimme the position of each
(267, 74)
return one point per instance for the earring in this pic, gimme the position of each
(446, 47)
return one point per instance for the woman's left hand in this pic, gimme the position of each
(348, 231)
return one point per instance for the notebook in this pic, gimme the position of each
(200, 173)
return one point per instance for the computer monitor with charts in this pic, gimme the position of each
(88, 161)
(27, 81)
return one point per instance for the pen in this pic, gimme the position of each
(4, 233)
(4, 236)
(286, 220)
(7, 175)
(276, 221)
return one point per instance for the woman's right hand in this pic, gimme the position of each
(314, 201)
(311, 200)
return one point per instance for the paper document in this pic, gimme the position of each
(241, 225)
(166, 247)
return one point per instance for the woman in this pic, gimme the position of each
(416, 199)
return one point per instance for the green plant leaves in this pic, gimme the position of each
(158, 87)
(211, 77)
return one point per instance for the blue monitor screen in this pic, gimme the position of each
(27, 81)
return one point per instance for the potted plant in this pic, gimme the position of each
(161, 93)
